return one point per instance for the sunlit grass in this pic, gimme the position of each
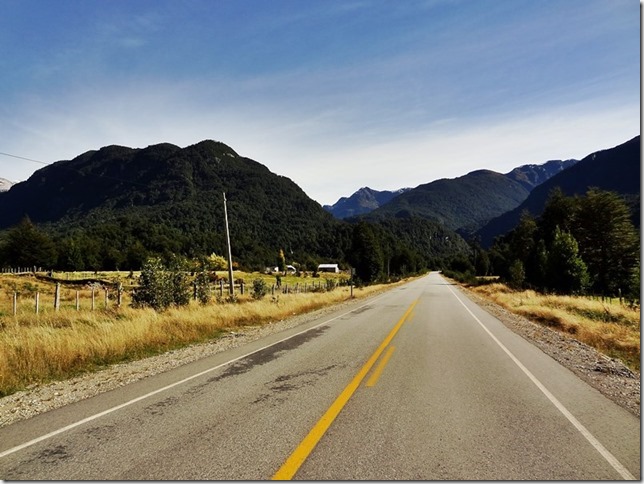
(607, 325)
(54, 345)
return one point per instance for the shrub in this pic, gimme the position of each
(159, 287)
(260, 288)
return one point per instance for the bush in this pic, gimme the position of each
(202, 287)
(260, 289)
(159, 287)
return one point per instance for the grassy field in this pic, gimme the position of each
(607, 325)
(53, 345)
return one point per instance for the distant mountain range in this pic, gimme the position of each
(363, 201)
(467, 202)
(122, 203)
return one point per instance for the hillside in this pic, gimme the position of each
(115, 206)
(616, 169)
(466, 203)
(457, 202)
(363, 201)
(170, 199)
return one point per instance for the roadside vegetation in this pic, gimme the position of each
(609, 325)
(59, 344)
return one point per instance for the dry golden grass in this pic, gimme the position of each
(608, 326)
(59, 344)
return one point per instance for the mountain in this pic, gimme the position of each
(616, 169)
(170, 199)
(113, 207)
(5, 184)
(466, 203)
(363, 201)
(531, 176)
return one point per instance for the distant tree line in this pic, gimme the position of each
(377, 251)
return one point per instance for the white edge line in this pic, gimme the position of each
(610, 458)
(172, 385)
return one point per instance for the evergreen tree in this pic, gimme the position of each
(27, 246)
(608, 242)
(366, 253)
(567, 271)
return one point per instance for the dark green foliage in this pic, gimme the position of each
(260, 288)
(566, 270)
(202, 287)
(598, 251)
(161, 287)
(28, 246)
(366, 254)
(517, 275)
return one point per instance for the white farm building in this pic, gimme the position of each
(328, 268)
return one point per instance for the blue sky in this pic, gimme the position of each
(335, 95)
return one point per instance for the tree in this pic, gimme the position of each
(608, 242)
(517, 274)
(366, 253)
(567, 271)
(27, 246)
(161, 287)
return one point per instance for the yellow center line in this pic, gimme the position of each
(299, 455)
(381, 366)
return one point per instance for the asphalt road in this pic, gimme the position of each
(416, 384)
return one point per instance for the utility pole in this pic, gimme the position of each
(231, 287)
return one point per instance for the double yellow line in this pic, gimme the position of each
(299, 455)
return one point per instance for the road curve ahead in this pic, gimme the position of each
(416, 384)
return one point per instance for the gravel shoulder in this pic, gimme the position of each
(607, 375)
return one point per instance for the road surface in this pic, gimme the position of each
(416, 384)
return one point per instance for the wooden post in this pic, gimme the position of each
(106, 297)
(221, 288)
(119, 294)
(57, 297)
(15, 303)
(241, 287)
(77, 300)
(93, 299)
(37, 302)
(273, 289)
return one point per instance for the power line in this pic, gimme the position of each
(26, 159)
(97, 175)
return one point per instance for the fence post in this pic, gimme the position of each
(57, 297)
(119, 294)
(221, 288)
(77, 300)
(15, 303)
(93, 299)
(37, 302)
(106, 297)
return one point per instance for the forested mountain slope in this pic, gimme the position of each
(169, 198)
(616, 169)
